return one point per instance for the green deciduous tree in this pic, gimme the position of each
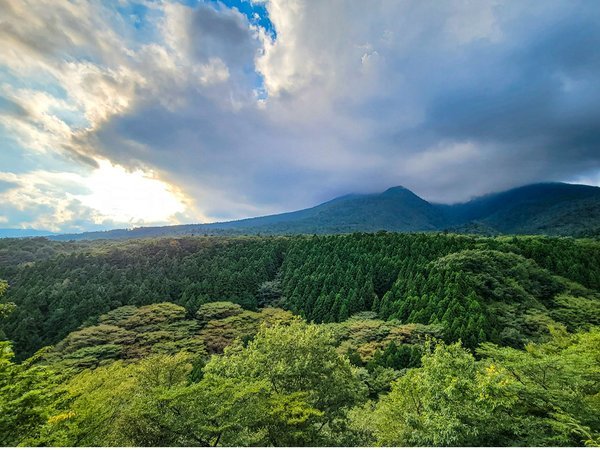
(545, 395)
(310, 386)
(441, 403)
(557, 385)
(28, 394)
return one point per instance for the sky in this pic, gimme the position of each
(130, 113)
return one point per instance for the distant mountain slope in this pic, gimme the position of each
(546, 208)
(22, 232)
(396, 209)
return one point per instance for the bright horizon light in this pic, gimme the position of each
(130, 197)
(224, 110)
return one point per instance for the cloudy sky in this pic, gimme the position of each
(125, 113)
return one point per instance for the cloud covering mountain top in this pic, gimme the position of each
(218, 111)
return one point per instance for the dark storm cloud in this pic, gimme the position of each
(527, 94)
(447, 114)
(451, 100)
(529, 103)
(540, 104)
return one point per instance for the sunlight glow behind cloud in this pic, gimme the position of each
(130, 197)
(216, 110)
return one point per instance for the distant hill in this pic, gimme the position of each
(396, 209)
(22, 232)
(545, 208)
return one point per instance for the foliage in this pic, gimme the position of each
(5, 308)
(477, 296)
(436, 405)
(362, 336)
(396, 357)
(219, 333)
(309, 385)
(217, 310)
(557, 387)
(150, 403)
(290, 385)
(147, 359)
(63, 286)
(57, 295)
(130, 333)
(300, 397)
(107, 406)
(28, 393)
(544, 395)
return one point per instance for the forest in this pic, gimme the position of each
(364, 339)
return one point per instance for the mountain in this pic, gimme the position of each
(545, 208)
(396, 209)
(22, 232)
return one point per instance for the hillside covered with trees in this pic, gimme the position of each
(501, 289)
(363, 339)
(558, 209)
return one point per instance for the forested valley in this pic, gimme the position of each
(390, 339)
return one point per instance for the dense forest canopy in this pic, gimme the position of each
(501, 289)
(362, 339)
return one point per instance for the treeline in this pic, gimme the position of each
(505, 290)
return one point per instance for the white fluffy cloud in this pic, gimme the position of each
(230, 120)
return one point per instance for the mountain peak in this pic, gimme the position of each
(543, 208)
(397, 190)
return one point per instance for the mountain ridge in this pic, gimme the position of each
(542, 208)
(23, 232)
